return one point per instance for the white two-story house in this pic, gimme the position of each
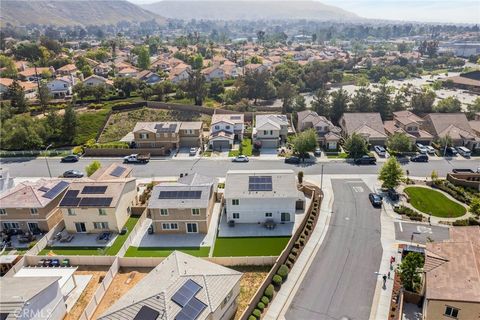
(61, 87)
(270, 130)
(225, 129)
(213, 73)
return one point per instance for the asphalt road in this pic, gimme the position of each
(213, 167)
(342, 278)
(404, 231)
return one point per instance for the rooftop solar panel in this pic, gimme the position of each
(95, 202)
(118, 171)
(146, 313)
(180, 194)
(56, 190)
(43, 189)
(191, 310)
(70, 202)
(94, 189)
(186, 292)
(260, 183)
(71, 193)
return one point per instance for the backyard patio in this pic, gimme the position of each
(82, 240)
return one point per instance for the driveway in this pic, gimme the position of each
(404, 231)
(342, 278)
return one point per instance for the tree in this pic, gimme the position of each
(422, 102)
(409, 271)
(399, 142)
(361, 101)
(92, 167)
(299, 103)
(356, 146)
(143, 59)
(44, 96)
(216, 88)
(126, 85)
(17, 97)
(22, 132)
(81, 90)
(321, 102)
(448, 105)
(261, 36)
(98, 92)
(473, 109)
(9, 70)
(305, 142)
(391, 173)
(146, 93)
(197, 62)
(475, 206)
(381, 99)
(69, 125)
(286, 91)
(53, 126)
(340, 100)
(195, 86)
(445, 141)
(256, 85)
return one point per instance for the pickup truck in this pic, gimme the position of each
(137, 158)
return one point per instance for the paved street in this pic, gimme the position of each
(341, 280)
(213, 167)
(404, 231)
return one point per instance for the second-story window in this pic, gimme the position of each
(33, 210)
(164, 212)
(3, 212)
(227, 127)
(217, 127)
(143, 135)
(71, 212)
(102, 212)
(235, 202)
(195, 212)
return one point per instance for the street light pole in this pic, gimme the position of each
(46, 160)
(321, 180)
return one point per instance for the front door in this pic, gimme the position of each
(192, 228)
(33, 227)
(80, 226)
(285, 217)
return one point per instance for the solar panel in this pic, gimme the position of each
(191, 310)
(179, 194)
(94, 189)
(95, 202)
(186, 292)
(118, 171)
(71, 193)
(43, 189)
(235, 117)
(146, 313)
(56, 190)
(260, 183)
(70, 202)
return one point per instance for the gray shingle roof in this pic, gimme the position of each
(368, 122)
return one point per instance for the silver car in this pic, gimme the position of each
(240, 158)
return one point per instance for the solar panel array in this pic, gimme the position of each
(260, 183)
(118, 171)
(163, 128)
(185, 298)
(56, 190)
(180, 194)
(146, 313)
(94, 189)
(43, 189)
(95, 202)
(71, 199)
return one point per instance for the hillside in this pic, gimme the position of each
(248, 10)
(67, 12)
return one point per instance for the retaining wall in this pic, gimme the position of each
(117, 152)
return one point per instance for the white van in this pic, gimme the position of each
(464, 152)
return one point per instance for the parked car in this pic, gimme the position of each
(430, 149)
(464, 152)
(380, 151)
(419, 158)
(292, 160)
(318, 152)
(137, 158)
(193, 151)
(393, 195)
(461, 170)
(73, 174)
(421, 148)
(402, 158)
(375, 199)
(240, 158)
(70, 158)
(451, 151)
(365, 160)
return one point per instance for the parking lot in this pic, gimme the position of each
(419, 233)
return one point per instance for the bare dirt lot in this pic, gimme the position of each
(125, 279)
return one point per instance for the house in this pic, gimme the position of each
(179, 73)
(368, 124)
(257, 196)
(410, 124)
(453, 125)
(168, 135)
(30, 74)
(61, 87)
(148, 77)
(37, 298)
(32, 206)
(475, 124)
(95, 80)
(181, 287)
(230, 69)
(102, 69)
(94, 206)
(452, 276)
(67, 70)
(29, 88)
(328, 135)
(213, 73)
(113, 171)
(225, 129)
(466, 81)
(254, 67)
(270, 130)
(182, 207)
(127, 72)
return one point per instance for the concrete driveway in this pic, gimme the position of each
(342, 278)
(420, 232)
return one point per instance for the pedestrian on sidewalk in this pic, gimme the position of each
(384, 279)
(388, 274)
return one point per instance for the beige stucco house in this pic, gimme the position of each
(270, 130)
(328, 135)
(410, 124)
(369, 125)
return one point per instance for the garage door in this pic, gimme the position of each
(221, 145)
(190, 142)
(269, 143)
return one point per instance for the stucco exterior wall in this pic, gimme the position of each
(253, 210)
(49, 304)
(435, 310)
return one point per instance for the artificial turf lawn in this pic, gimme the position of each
(165, 252)
(433, 202)
(244, 247)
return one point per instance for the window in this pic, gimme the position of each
(195, 212)
(71, 212)
(102, 212)
(170, 226)
(285, 217)
(235, 202)
(227, 298)
(3, 212)
(64, 85)
(100, 225)
(158, 135)
(192, 227)
(33, 210)
(164, 212)
(268, 215)
(217, 127)
(265, 132)
(11, 225)
(129, 210)
(143, 135)
(271, 132)
(236, 215)
(451, 312)
(227, 127)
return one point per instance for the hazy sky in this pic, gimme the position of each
(458, 11)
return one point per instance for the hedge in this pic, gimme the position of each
(277, 280)
(257, 313)
(265, 300)
(466, 222)
(412, 214)
(269, 291)
(252, 317)
(458, 193)
(260, 306)
(283, 270)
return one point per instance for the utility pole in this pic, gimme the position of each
(46, 160)
(321, 179)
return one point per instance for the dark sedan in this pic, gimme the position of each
(365, 160)
(70, 158)
(375, 199)
(292, 160)
(419, 158)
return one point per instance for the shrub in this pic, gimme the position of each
(293, 251)
(283, 271)
(269, 291)
(412, 214)
(291, 257)
(459, 193)
(252, 317)
(92, 167)
(260, 306)
(277, 280)
(466, 222)
(257, 313)
(77, 150)
(265, 300)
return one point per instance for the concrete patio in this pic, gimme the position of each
(83, 240)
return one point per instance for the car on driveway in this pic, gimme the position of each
(380, 151)
(365, 160)
(375, 199)
(317, 152)
(402, 158)
(421, 148)
(419, 158)
(430, 149)
(393, 195)
(70, 158)
(73, 174)
(451, 152)
(193, 151)
(292, 160)
(240, 158)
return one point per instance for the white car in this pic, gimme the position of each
(193, 151)
(421, 148)
(240, 158)
(430, 149)
(380, 151)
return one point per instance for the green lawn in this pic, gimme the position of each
(94, 251)
(246, 149)
(340, 155)
(238, 247)
(434, 202)
(164, 252)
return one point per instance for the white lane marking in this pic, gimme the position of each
(423, 229)
(358, 189)
(400, 226)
